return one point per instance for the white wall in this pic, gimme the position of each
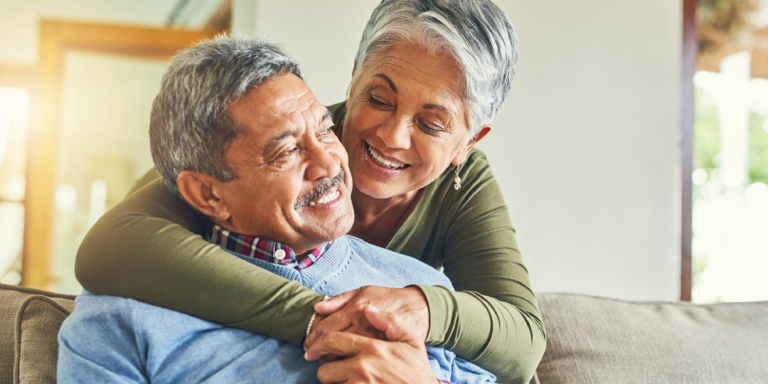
(322, 36)
(19, 19)
(589, 145)
(586, 150)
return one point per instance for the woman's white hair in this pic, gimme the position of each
(475, 32)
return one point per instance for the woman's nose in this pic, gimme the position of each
(396, 135)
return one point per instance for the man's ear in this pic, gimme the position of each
(202, 193)
(461, 156)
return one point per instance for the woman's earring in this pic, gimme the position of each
(457, 180)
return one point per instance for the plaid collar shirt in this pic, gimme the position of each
(270, 251)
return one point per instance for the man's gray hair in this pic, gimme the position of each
(476, 32)
(190, 128)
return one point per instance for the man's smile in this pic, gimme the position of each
(326, 192)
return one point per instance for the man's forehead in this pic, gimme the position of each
(298, 117)
(292, 106)
(281, 103)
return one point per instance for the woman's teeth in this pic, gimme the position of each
(326, 199)
(384, 163)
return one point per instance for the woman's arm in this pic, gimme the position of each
(493, 318)
(495, 321)
(148, 248)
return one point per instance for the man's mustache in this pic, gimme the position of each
(321, 189)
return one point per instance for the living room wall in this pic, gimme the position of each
(19, 20)
(587, 148)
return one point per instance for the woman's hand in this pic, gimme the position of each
(366, 360)
(346, 312)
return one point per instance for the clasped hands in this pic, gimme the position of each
(371, 335)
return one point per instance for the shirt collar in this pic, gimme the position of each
(262, 249)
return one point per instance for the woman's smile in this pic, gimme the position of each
(405, 121)
(382, 160)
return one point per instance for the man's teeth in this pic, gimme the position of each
(326, 199)
(383, 162)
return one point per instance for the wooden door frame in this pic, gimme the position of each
(57, 38)
(19, 76)
(690, 49)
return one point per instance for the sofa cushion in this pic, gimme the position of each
(37, 324)
(600, 340)
(28, 347)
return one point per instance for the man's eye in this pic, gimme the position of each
(284, 158)
(326, 134)
(287, 153)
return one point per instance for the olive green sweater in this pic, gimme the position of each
(149, 248)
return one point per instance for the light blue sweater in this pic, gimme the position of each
(118, 340)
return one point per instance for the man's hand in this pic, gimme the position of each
(367, 360)
(346, 312)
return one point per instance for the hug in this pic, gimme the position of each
(264, 203)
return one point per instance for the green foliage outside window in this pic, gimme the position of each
(707, 132)
(758, 149)
(707, 142)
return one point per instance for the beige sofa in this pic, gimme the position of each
(29, 322)
(590, 340)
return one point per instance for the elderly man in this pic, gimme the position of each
(237, 134)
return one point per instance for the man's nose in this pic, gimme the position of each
(321, 164)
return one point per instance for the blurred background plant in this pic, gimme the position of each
(720, 23)
(730, 214)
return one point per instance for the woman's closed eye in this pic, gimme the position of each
(378, 103)
(430, 128)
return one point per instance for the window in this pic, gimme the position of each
(14, 123)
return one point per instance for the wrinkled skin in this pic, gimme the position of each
(405, 108)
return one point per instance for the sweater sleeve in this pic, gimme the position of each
(98, 344)
(147, 248)
(493, 318)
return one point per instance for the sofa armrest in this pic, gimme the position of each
(29, 324)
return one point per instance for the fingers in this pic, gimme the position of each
(378, 362)
(404, 314)
(377, 318)
(334, 323)
(328, 374)
(385, 322)
(366, 330)
(336, 343)
(335, 303)
(334, 372)
(329, 358)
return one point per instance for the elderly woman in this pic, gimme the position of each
(429, 77)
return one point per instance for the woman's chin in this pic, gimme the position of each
(376, 189)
